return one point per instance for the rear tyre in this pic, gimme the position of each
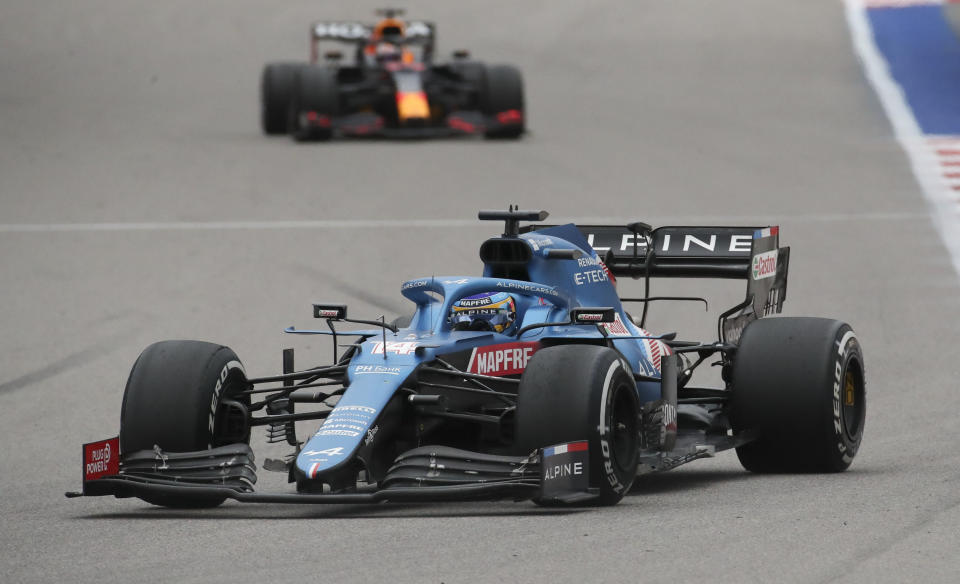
(276, 91)
(583, 392)
(173, 400)
(315, 102)
(501, 94)
(799, 384)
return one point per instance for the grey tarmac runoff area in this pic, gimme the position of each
(139, 202)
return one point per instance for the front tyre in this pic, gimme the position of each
(798, 385)
(315, 103)
(583, 392)
(175, 400)
(276, 92)
(501, 97)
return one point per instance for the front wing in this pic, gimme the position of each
(558, 473)
(460, 123)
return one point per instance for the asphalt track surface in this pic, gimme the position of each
(138, 120)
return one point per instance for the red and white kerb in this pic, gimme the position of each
(946, 151)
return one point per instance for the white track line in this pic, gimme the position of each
(941, 198)
(431, 223)
(228, 225)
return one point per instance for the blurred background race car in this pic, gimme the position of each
(388, 84)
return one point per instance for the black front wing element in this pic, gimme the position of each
(430, 473)
(458, 123)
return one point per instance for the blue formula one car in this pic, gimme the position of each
(531, 382)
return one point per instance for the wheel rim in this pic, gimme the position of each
(852, 400)
(232, 424)
(624, 431)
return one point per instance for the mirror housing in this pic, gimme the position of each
(592, 315)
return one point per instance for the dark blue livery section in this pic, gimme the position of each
(923, 53)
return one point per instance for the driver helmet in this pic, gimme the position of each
(390, 30)
(488, 311)
(387, 52)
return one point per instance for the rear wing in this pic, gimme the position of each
(681, 252)
(746, 253)
(340, 31)
(417, 32)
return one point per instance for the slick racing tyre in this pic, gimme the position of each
(276, 91)
(798, 384)
(583, 392)
(473, 74)
(315, 102)
(501, 93)
(174, 400)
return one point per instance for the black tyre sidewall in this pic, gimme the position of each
(315, 89)
(502, 90)
(566, 394)
(173, 394)
(171, 400)
(788, 384)
(276, 91)
(618, 472)
(474, 75)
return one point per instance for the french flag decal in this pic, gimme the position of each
(565, 448)
(766, 232)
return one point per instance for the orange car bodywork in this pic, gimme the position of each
(412, 105)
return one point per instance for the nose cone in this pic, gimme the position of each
(412, 105)
(373, 382)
